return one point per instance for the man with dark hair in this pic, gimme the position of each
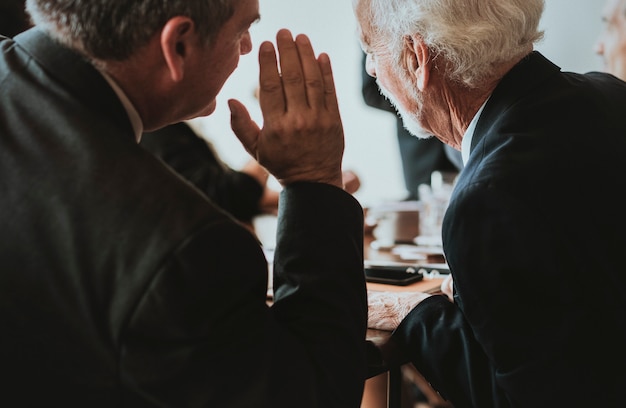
(120, 284)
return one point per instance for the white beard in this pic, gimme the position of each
(409, 120)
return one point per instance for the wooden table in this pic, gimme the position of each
(384, 386)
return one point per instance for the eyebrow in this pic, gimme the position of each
(255, 20)
(247, 22)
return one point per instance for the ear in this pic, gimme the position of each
(176, 43)
(416, 56)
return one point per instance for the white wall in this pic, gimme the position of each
(571, 27)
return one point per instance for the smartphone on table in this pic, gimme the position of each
(401, 275)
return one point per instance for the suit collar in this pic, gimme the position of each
(76, 74)
(529, 73)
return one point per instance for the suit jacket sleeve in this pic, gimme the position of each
(437, 339)
(204, 328)
(319, 285)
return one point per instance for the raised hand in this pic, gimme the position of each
(302, 135)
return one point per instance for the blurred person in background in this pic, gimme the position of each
(244, 193)
(611, 45)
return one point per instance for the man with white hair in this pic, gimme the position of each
(538, 312)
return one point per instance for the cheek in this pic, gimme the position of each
(386, 78)
(611, 52)
(620, 47)
(231, 61)
(395, 86)
(221, 69)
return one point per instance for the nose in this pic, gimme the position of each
(370, 66)
(599, 47)
(246, 44)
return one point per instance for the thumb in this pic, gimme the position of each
(244, 127)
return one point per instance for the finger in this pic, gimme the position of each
(313, 81)
(243, 126)
(330, 95)
(271, 97)
(291, 70)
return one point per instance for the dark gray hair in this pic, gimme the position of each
(473, 36)
(114, 29)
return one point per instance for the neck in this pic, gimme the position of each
(144, 83)
(458, 104)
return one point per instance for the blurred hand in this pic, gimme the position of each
(302, 135)
(269, 201)
(385, 310)
(447, 287)
(351, 182)
(256, 171)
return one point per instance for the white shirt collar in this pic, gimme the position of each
(133, 115)
(466, 143)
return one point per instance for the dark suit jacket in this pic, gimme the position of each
(197, 162)
(534, 235)
(122, 286)
(420, 157)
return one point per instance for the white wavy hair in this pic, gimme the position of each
(474, 36)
